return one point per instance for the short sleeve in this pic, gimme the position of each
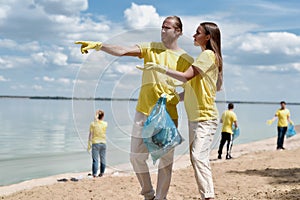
(144, 48)
(205, 60)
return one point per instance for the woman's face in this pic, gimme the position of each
(200, 37)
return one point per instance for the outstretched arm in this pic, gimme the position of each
(270, 121)
(190, 73)
(115, 50)
(121, 50)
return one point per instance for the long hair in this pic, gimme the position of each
(214, 44)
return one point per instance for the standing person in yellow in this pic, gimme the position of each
(97, 142)
(168, 53)
(228, 119)
(202, 80)
(283, 115)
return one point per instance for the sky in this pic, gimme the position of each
(38, 57)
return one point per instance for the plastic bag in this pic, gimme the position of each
(236, 132)
(159, 132)
(290, 131)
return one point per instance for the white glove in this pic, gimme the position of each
(153, 66)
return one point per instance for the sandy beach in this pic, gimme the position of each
(257, 171)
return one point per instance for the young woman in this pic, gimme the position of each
(97, 142)
(203, 79)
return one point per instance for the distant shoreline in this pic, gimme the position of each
(125, 99)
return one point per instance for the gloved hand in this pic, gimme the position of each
(89, 146)
(269, 122)
(153, 66)
(291, 122)
(86, 45)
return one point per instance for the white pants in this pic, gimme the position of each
(138, 156)
(201, 135)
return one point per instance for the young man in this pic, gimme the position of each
(167, 53)
(228, 119)
(283, 115)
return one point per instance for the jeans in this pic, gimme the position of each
(280, 138)
(98, 149)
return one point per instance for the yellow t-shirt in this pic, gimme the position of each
(153, 83)
(228, 117)
(98, 129)
(282, 117)
(200, 91)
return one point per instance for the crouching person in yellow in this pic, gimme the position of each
(97, 142)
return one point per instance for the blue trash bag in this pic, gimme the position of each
(290, 131)
(236, 132)
(159, 132)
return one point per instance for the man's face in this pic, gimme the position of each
(168, 31)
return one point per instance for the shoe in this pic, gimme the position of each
(62, 180)
(219, 157)
(228, 157)
(101, 174)
(74, 179)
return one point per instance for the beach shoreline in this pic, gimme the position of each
(181, 164)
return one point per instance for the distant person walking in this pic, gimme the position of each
(283, 115)
(228, 119)
(97, 142)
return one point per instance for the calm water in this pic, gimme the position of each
(40, 138)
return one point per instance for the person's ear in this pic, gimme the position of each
(207, 37)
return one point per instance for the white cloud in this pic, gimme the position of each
(50, 57)
(59, 59)
(140, 16)
(64, 80)
(3, 79)
(4, 9)
(58, 7)
(48, 79)
(39, 58)
(266, 43)
(37, 87)
(5, 64)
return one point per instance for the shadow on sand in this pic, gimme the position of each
(288, 177)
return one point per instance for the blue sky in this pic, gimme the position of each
(260, 44)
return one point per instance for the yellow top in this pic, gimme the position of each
(282, 117)
(200, 91)
(154, 84)
(228, 117)
(98, 130)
